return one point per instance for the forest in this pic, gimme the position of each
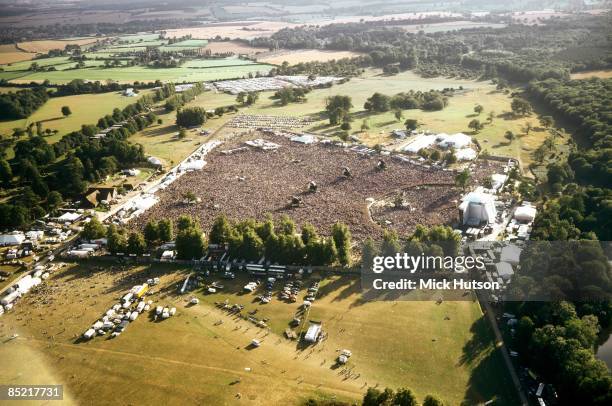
(21, 104)
(518, 52)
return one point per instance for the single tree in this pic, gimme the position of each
(478, 109)
(66, 111)
(398, 115)
(93, 229)
(475, 125)
(547, 121)
(463, 179)
(411, 124)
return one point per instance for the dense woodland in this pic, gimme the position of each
(20, 104)
(517, 52)
(558, 338)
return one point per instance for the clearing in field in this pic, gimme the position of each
(171, 361)
(252, 183)
(304, 55)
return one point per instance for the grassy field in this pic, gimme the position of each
(143, 73)
(211, 63)
(47, 45)
(444, 349)
(232, 46)
(232, 30)
(161, 141)
(86, 109)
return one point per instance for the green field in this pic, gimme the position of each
(142, 73)
(201, 355)
(139, 38)
(209, 63)
(189, 43)
(86, 109)
(161, 140)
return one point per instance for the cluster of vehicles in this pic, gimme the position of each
(267, 296)
(164, 312)
(117, 318)
(290, 291)
(311, 294)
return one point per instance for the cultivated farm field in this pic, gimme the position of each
(306, 55)
(47, 45)
(215, 71)
(10, 54)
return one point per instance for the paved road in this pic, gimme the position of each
(499, 342)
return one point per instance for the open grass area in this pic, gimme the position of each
(86, 109)
(143, 73)
(45, 46)
(202, 354)
(211, 63)
(161, 141)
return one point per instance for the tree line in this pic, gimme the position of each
(280, 242)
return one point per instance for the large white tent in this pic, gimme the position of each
(477, 208)
(11, 239)
(458, 140)
(525, 213)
